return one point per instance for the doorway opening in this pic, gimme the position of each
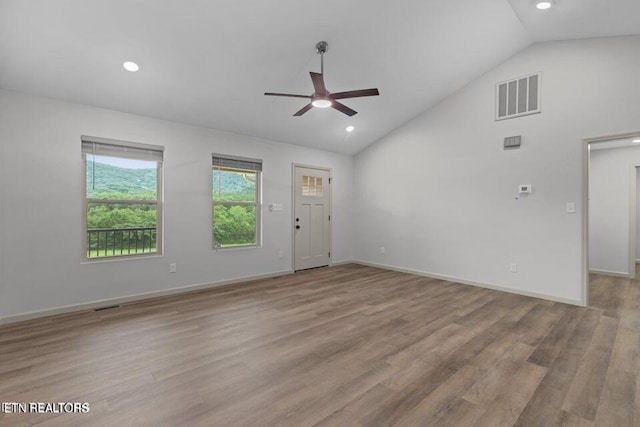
(611, 213)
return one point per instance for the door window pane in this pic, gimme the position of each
(311, 186)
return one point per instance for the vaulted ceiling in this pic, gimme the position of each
(208, 63)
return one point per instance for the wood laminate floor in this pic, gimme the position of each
(342, 346)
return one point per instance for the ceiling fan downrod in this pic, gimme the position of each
(321, 48)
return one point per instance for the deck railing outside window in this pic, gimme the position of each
(103, 242)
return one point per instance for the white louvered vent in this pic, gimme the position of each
(518, 97)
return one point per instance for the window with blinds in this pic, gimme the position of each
(123, 198)
(236, 201)
(518, 97)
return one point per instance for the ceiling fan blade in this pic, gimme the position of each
(343, 108)
(304, 110)
(287, 94)
(355, 93)
(318, 83)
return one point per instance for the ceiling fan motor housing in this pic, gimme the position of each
(322, 47)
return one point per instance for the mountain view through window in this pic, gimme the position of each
(122, 206)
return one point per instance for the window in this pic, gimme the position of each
(236, 201)
(123, 198)
(312, 186)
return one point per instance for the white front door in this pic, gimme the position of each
(311, 217)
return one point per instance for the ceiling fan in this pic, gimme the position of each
(321, 97)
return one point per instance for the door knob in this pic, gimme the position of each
(297, 227)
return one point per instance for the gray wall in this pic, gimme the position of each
(42, 205)
(439, 192)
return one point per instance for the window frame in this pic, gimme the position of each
(257, 203)
(158, 202)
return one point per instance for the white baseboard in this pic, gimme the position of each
(136, 297)
(201, 286)
(472, 283)
(610, 273)
(337, 263)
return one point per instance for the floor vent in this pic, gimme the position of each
(109, 307)
(518, 97)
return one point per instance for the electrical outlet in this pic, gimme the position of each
(571, 207)
(280, 254)
(513, 267)
(172, 267)
(383, 250)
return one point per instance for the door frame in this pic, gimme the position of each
(586, 142)
(293, 209)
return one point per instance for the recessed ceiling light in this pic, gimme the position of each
(637, 140)
(544, 5)
(349, 128)
(321, 103)
(131, 66)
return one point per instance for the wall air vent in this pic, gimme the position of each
(512, 142)
(518, 97)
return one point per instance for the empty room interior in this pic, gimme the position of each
(297, 213)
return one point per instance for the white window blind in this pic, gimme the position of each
(233, 162)
(129, 150)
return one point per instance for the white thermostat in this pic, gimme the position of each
(524, 188)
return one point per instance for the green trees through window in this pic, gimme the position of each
(123, 199)
(235, 207)
(121, 206)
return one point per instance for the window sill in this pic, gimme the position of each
(237, 248)
(118, 258)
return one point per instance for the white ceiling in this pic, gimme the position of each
(578, 19)
(208, 63)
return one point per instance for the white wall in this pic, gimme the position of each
(2, 167)
(439, 192)
(609, 208)
(42, 174)
(637, 214)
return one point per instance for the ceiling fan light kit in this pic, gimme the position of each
(544, 4)
(321, 97)
(321, 103)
